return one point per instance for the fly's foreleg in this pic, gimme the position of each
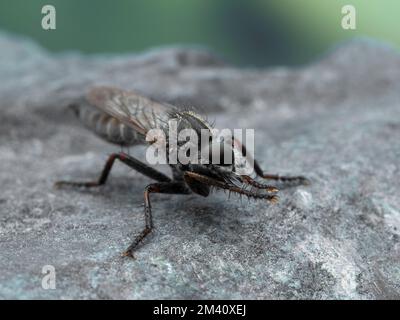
(273, 198)
(126, 159)
(286, 180)
(248, 180)
(170, 188)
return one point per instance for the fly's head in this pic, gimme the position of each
(197, 142)
(204, 150)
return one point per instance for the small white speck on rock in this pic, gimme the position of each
(302, 199)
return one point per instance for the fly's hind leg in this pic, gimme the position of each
(126, 159)
(165, 187)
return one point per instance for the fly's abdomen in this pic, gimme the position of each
(107, 127)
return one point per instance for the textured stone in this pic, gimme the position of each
(335, 121)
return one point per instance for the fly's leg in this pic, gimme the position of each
(250, 181)
(287, 180)
(166, 187)
(126, 159)
(232, 188)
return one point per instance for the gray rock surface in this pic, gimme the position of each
(335, 121)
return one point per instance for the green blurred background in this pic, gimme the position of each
(245, 32)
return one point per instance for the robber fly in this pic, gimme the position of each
(124, 118)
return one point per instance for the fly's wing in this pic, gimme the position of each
(133, 110)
